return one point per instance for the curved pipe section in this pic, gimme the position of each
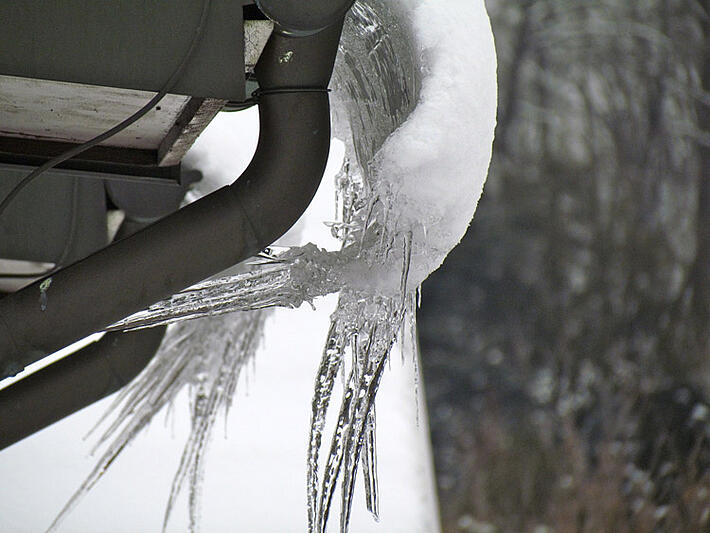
(61, 389)
(304, 18)
(203, 238)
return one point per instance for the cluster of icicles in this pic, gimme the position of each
(207, 348)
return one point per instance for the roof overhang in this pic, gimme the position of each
(85, 66)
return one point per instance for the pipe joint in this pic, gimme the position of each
(304, 18)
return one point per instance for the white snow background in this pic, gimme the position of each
(255, 478)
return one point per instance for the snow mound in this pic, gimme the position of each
(431, 170)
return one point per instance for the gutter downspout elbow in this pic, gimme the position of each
(203, 238)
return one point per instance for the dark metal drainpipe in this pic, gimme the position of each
(205, 237)
(72, 383)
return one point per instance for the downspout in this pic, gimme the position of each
(205, 237)
(70, 384)
(78, 380)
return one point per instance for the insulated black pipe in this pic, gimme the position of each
(72, 383)
(205, 237)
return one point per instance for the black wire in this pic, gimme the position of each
(119, 127)
(256, 95)
(69, 241)
(199, 32)
(232, 107)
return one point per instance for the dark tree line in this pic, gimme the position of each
(566, 341)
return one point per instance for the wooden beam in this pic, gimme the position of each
(195, 116)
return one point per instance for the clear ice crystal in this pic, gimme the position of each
(207, 355)
(369, 324)
(376, 85)
(289, 279)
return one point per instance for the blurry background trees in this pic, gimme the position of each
(566, 340)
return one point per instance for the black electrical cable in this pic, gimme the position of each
(256, 95)
(199, 32)
(233, 107)
(69, 241)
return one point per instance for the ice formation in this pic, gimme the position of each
(414, 98)
(206, 355)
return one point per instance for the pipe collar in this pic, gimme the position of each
(304, 18)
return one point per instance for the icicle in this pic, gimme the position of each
(350, 451)
(91, 480)
(369, 467)
(296, 276)
(379, 73)
(213, 359)
(369, 384)
(407, 261)
(376, 322)
(335, 457)
(325, 379)
(410, 324)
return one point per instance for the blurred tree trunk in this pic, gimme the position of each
(508, 108)
(701, 267)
